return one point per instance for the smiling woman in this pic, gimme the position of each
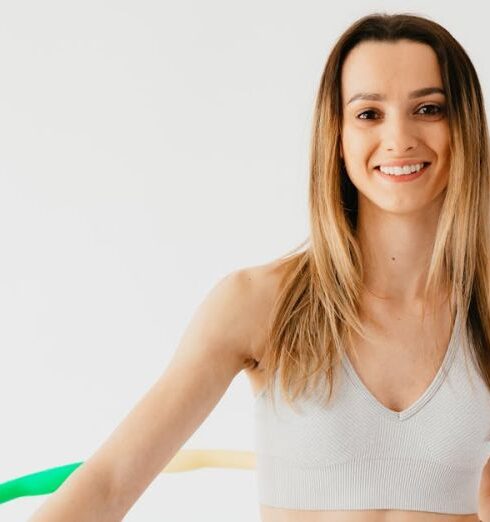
(391, 302)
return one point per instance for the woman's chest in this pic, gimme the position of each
(424, 428)
(401, 357)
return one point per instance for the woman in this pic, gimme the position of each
(395, 253)
(387, 309)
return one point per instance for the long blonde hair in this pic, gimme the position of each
(318, 306)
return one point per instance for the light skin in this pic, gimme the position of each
(396, 221)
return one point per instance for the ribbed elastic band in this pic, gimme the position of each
(405, 484)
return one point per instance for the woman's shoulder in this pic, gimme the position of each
(264, 279)
(261, 284)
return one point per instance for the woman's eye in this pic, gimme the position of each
(365, 112)
(439, 109)
(435, 110)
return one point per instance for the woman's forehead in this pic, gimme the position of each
(389, 68)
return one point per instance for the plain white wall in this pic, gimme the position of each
(146, 150)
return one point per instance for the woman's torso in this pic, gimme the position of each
(397, 367)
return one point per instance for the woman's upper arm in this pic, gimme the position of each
(214, 348)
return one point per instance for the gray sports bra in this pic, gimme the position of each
(359, 454)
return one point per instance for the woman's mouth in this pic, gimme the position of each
(400, 178)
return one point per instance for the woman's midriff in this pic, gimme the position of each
(272, 514)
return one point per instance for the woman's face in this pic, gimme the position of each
(397, 127)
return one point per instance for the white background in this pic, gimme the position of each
(146, 150)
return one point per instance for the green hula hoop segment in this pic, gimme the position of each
(49, 480)
(40, 483)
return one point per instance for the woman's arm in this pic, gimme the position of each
(85, 492)
(215, 347)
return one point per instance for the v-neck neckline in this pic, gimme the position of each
(428, 393)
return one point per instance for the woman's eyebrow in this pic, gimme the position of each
(374, 96)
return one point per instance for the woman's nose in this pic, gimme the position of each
(399, 134)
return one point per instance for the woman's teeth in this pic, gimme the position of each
(401, 171)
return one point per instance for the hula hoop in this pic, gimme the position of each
(49, 480)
